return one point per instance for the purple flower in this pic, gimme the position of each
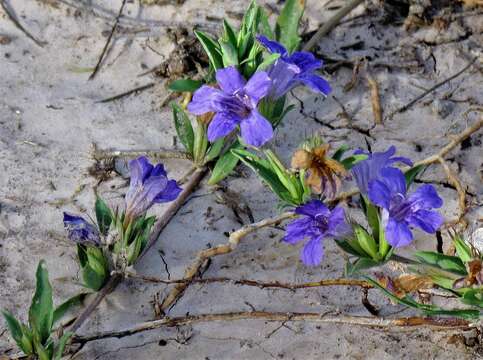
(400, 211)
(317, 223)
(149, 185)
(81, 231)
(289, 71)
(370, 169)
(235, 104)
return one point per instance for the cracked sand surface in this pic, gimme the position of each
(49, 118)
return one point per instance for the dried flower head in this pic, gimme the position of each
(324, 174)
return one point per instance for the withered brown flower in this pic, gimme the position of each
(324, 174)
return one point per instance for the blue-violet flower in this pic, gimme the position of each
(400, 211)
(289, 71)
(370, 168)
(81, 231)
(235, 103)
(149, 185)
(317, 223)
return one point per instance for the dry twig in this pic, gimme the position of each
(409, 323)
(375, 97)
(233, 241)
(13, 18)
(101, 155)
(108, 41)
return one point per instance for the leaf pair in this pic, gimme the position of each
(36, 337)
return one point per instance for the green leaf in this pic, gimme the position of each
(214, 150)
(427, 309)
(359, 265)
(225, 165)
(349, 247)
(61, 346)
(372, 216)
(81, 254)
(212, 49)
(264, 25)
(96, 271)
(339, 152)
(228, 45)
(183, 127)
(62, 309)
(103, 216)
(248, 28)
(412, 173)
(41, 351)
(185, 85)
(269, 60)
(200, 143)
(366, 241)
(23, 340)
(264, 170)
(41, 313)
(473, 297)
(287, 26)
(445, 262)
(350, 161)
(462, 249)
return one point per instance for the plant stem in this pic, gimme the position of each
(116, 279)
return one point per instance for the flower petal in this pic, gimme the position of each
(221, 125)
(379, 193)
(258, 86)
(139, 169)
(256, 130)
(205, 99)
(158, 170)
(170, 192)
(425, 197)
(272, 46)
(282, 75)
(306, 61)
(312, 252)
(313, 208)
(230, 80)
(316, 83)
(394, 180)
(338, 227)
(297, 230)
(398, 233)
(81, 231)
(429, 221)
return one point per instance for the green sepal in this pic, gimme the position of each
(366, 242)
(360, 264)
(462, 249)
(452, 264)
(412, 173)
(214, 150)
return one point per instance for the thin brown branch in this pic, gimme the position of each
(135, 90)
(332, 23)
(411, 323)
(453, 179)
(256, 283)
(101, 155)
(202, 256)
(108, 41)
(430, 90)
(452, 144)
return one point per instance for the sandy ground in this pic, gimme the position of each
(49, 118)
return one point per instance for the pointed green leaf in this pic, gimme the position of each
(103, 216)
(41, 313)
(63, 308)
(350, 161)
(339, 152)
(445, 262)
(183, 127)
(61, 346)
(214, 150)
(349, 248)
(23, 340)
(225, 165)
(185, 85)
(360, 264)
(412, 173)
(366, 241)
(462, 249)
(212, 49)
(287, 26)
(269, 60)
